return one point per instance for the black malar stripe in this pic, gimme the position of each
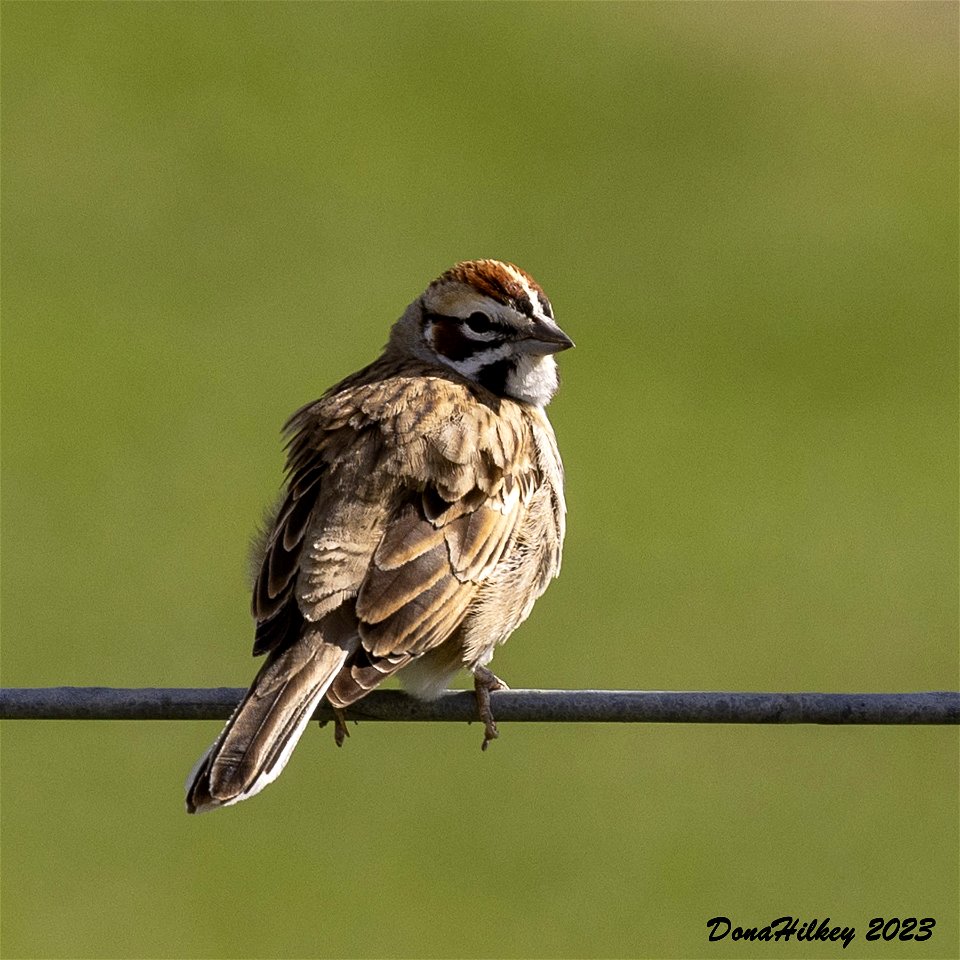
(494, 376)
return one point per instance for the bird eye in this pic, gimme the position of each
(479, 322)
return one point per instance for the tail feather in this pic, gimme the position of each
(259, 737)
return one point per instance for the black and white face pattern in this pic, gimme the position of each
(491, 323)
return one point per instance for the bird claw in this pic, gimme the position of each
(484, 683)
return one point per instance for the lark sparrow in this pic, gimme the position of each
(423, 516)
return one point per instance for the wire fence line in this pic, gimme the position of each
(543, 706)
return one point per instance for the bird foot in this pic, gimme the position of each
(340, 731)
(484, 683)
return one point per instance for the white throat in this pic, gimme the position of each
(533, 380)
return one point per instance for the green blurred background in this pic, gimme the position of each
(746, 216)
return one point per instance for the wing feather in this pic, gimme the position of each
(415, 605)
(385, 592)
(361, 675)
(406, 539)
(402, 630)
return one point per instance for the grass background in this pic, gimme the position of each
(745, 215)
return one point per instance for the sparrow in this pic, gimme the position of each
(423, 515)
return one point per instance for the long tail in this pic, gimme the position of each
(258, 739)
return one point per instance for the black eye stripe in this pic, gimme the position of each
(451, 340)
(477, 322)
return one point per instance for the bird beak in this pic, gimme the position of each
(545, 337)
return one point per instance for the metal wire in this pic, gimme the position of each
(544, 706)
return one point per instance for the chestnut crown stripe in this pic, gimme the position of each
(491, 279)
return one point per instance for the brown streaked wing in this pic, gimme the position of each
(413, 564)
(477, 540)
(385, 592)
(281, 558)
(403, 630)
(412, 606)
(361, 674)
(318, 434)
(407, 539)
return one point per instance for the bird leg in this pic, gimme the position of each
(340, 731)
(484, 682)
